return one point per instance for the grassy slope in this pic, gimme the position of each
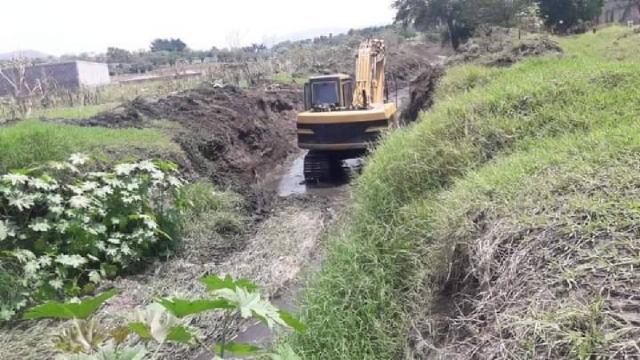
(614, 43)
(570, 204)
(32, 141)
(380, 273)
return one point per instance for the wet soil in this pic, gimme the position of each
(423, 89)
(296, 197)
(231, 135)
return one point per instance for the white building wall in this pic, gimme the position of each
(93, 74)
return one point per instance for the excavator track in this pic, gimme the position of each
(319, 166)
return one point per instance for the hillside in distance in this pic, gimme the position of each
(29, 54)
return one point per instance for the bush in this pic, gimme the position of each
(64, 228)
(165, 321)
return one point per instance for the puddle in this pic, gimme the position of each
(292, 182)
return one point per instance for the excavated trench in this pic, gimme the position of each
(243, 140)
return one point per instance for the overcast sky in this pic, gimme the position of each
(72, 26)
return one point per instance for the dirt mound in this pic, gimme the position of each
(404, 61)
(409, 60)
(229, 134)
(423, 88)
(497, 46)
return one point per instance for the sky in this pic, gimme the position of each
(59, 27)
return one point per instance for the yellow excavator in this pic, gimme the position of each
(343, 117)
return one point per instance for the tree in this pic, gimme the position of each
(563, 14)
(460, 16)
(502, 12)
(15, 82)
(234, 39)
(117, 55)
(171, 45)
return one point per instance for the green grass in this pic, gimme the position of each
(569, 203)
(80, 112)
(121, 92)
(614, 43)
(384, 263)
(213, 214)
(463, 78)
(288, 78)
(30, 142)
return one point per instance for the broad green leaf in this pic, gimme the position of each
(181, 335)
(143, 330)
(182, 308)
(166, 166)
(159, 321)
(214, 283)
(251, 305)
(238, 349)
(292, 321)
(81, 310)
(110, 352)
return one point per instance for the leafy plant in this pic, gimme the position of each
(163, 321)
(82, 310)
(64, 228)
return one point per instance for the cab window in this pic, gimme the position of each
(347, 90)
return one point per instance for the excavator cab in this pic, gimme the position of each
(328, 93)
(344, 116)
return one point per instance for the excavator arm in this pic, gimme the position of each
(370, 67)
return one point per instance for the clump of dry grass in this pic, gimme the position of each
(546, 260)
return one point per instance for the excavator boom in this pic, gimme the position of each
(370, 67)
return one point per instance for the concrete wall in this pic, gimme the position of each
(93, 74)
(620, 11)
(68, 75)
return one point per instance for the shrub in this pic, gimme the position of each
(64, 228)
(166, 321)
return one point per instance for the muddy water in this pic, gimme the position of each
(293, 183)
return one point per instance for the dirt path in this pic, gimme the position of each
(296, 232)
